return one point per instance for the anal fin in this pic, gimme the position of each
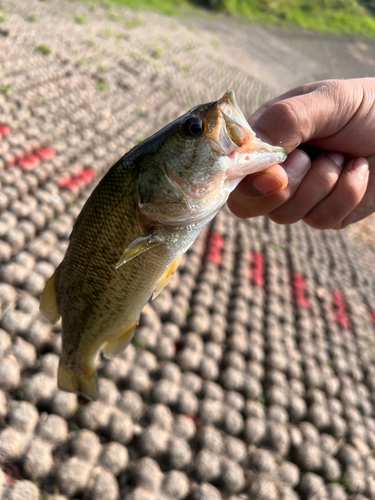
(166, 277)
(113, 347)
(48, 303)
(85, 382)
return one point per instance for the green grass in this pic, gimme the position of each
(101, 85)
(5, 89)
(33, 18)
(164, 6)
(43, 49)
(334, 16)
(80, 19)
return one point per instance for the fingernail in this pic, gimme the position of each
(360, 166)
(297, 164)
(266, 183)
(337, 158)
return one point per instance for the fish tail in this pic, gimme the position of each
(85, 382)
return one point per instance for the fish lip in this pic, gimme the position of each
(230, 129)
(231, 111)
(232, 136)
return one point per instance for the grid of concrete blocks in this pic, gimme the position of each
(251, 376)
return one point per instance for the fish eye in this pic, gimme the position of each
(193, 127)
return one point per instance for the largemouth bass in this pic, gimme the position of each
(137, 224)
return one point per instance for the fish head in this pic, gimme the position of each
(198, 160)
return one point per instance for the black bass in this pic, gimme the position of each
(139, 221)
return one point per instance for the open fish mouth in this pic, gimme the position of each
(232, 136)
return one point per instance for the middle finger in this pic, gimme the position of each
(318, 183)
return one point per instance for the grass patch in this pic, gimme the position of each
(164, 6)
(43, 49)
(101, 85)
(142, 112)
(33, 18)
(156, 52)
(134, 22)
(80, 19)
(333, 16)
(5, 89)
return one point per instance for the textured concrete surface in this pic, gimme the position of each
(252, 375)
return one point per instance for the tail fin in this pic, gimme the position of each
(70, 381)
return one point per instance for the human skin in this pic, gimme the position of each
(334, 118)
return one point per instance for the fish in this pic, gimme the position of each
(134, 229)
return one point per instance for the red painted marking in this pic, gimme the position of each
(29, 162)
(215, 245)
(47, 153)
(299, 290)
(81, 175)
(372, 314)
(10, 159)
(339, 306)
(256, 268)
(4, 129)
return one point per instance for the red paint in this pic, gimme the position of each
(10, 160)
(215, 246)
(4, 130)
(29, 162)
(256, 268)
(78, 177)
(299, 290)
(47, 153)
(372, 314)
(339, 309)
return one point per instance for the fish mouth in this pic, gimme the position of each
(232, 136)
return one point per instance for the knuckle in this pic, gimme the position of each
(281, 216)
(327, 177)
(287, 112)
(316, 221)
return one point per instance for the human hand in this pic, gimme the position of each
(336, 188)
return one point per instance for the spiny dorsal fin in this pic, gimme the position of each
(48, 303)
(138, 246)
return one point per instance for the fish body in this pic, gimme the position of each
(137, 224)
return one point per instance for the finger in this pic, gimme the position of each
(249, 200)
(318, 183)
(344, 198)
(316, 114)
(366, 206)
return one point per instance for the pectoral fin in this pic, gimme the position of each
(48, 303)
(113, 347)
(138, 246)
(166, 277)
